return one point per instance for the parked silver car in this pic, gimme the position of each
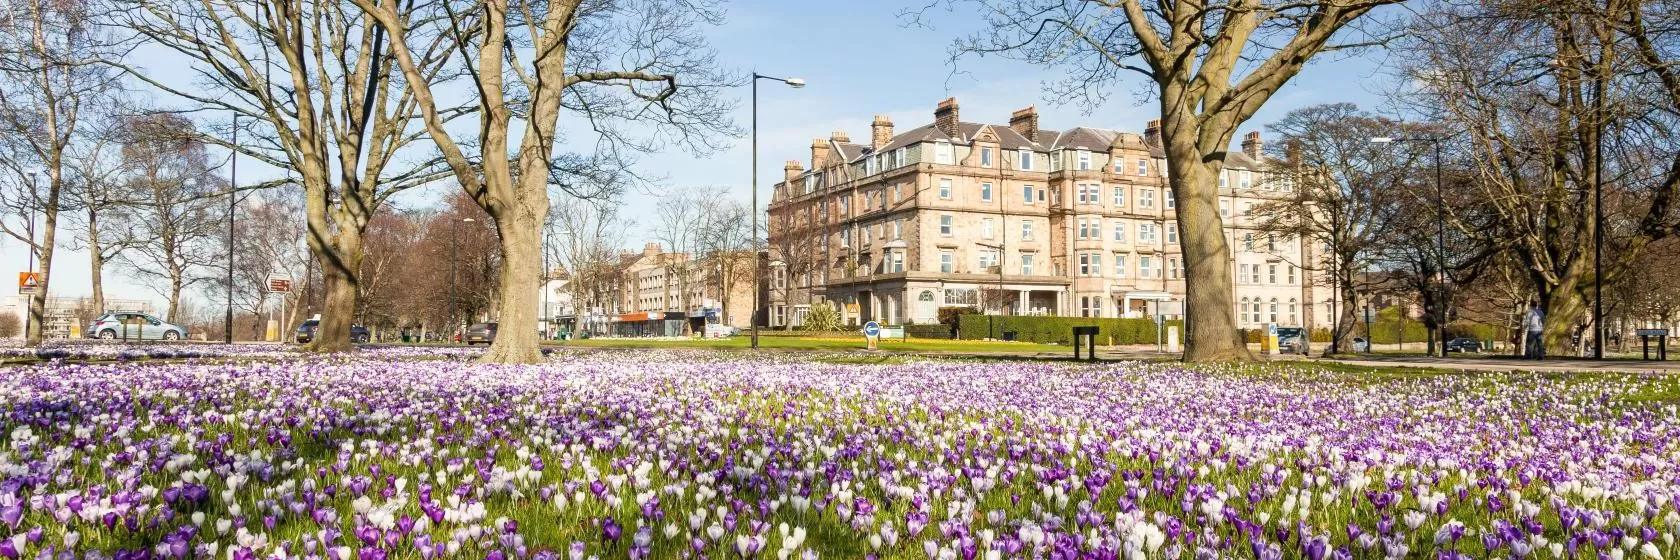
(132, 325)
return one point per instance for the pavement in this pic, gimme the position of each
(1470, 362)
(1510, 363)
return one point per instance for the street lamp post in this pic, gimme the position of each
(29, 311)
(1598, 222)
(758, 279)
(233, 181)
(1440, 238)
(454, 325)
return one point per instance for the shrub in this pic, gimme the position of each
(950, 315)
(823, 317)
(9, 326)
(1059, 329)
(928, 331)
(1321, 335)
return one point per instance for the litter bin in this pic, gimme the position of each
(1009, 336)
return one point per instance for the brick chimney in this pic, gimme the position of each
(1025, 122)
(650, 249)
(819, 154)
(1252, 145)
(880, 132)
(945, 116)
(840, 137)
(1152, 133)
(792, 171)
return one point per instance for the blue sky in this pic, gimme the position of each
(859, 59)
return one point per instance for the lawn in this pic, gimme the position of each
(681, 453)
(790, 342)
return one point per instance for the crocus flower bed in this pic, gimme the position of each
(112, 350)
(691, 455)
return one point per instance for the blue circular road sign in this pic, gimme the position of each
(872, 329)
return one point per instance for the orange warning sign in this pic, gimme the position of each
(29, 283)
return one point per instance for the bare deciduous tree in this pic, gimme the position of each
(1344, 195)
(726, 246)
(95, 193)
(169, 178)
(337, 117)
(50, 90)
(609, 62)
(798, 250)
(588, 248)
(1211, 65)
(1554, 98)
(268, 244)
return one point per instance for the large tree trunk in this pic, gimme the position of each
(49, 233)
(337, 311)
(174, 296)
(1211, 328)
(516, 331)
(1341, 333)
(1564, 308)
(339, 263)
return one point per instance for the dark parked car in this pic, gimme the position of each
(306, 332)
(1292, 340)
(1464, 345)
(481, 333)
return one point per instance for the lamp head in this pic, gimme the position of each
(795, 82)
(1381, 140)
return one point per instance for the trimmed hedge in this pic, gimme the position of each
(1059, 330)
(936, 330)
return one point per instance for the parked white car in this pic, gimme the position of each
(1361, 345)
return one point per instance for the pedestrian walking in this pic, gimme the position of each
(1535, 324)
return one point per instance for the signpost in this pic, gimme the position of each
(872, 335)
(29, 283)
(278, 285)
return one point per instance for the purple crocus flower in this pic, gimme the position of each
(610, 531)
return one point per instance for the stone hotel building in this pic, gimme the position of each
(1073, 222)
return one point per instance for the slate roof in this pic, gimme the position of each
(1094, 139)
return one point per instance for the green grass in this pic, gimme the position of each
(783, 342)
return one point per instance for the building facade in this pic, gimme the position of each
(1016, 219)
(709, 289)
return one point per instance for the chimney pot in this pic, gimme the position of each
(1252, 146)
(840, 137)
(945, 116)
(1025, 122)
(819, 153)
(1152, 133)
(880, 132)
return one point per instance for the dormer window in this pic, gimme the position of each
(942, 152)
(1024, 160)
(1084, 160)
